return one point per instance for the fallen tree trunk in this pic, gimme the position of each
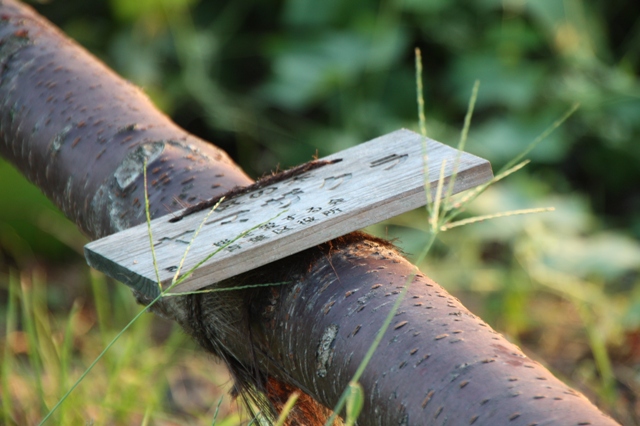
(81, 134)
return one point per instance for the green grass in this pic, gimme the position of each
(141, 380)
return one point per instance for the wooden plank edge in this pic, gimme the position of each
(119, 273)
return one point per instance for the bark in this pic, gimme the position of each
(81, 134)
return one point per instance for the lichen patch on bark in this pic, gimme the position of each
(133, 164)
(324, 355)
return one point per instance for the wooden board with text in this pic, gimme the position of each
(357, 187)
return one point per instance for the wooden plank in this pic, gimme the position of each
(371, 182)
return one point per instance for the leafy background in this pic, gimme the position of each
(274, 82)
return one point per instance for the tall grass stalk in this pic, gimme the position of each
(423, 125)
(148, 217)
(464, 134)
(440, 221)
(511, 167)
(434, 218)
(96, 360)
(177, 279)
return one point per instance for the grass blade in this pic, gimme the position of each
(512, 166)
(28, 316)
(458, 207)
(8, 357)
(216, 290)
(148, 216)
(423, 125)
(218, 250)
(420, 93)
(355, 402)
(463, 139)
(98, 358)
(215, 415)
(67, 348)
(436, 205)
(383, 329)
(483, 218)
(195, 234)
(288, 406)
(542, 136)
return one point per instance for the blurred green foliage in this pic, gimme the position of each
(272, 82)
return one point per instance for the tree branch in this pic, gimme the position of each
(81, 134)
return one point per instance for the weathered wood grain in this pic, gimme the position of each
(373, 181)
